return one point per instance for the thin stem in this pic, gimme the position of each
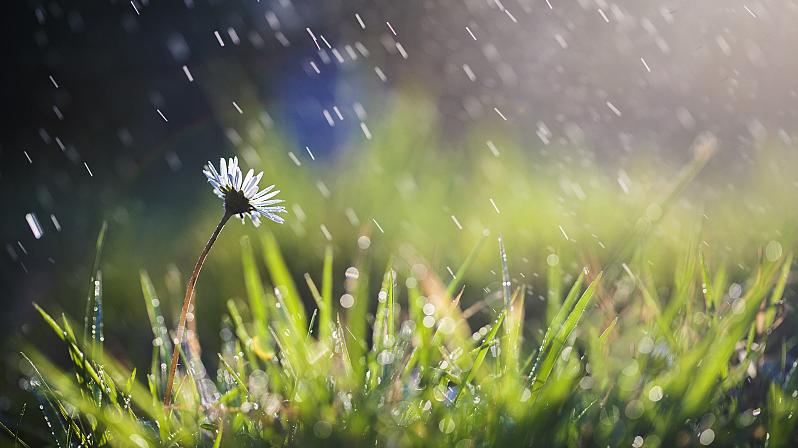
(181, 326)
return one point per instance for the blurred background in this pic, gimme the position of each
(402, 128)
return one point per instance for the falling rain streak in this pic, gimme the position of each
(35, 227)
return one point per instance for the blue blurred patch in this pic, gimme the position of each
(303, 96)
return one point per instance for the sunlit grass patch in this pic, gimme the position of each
(622, 359)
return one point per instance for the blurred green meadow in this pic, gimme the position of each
(430, 292)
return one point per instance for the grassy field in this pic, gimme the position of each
(420, 296)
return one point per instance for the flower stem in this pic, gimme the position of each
(181, 326)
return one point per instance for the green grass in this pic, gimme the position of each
(586, 316)
(667, 370)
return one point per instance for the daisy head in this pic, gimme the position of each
(240, 193)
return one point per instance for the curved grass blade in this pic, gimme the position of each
(551, 356)
(482, 351)
(98, 248)
(556, 323)
(255, 291)
(281, 277)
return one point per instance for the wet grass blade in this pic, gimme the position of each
(556, 323)
(326, 311)
(284, 283)
(778, 292)
(506, 295)
(482, 352)
(162, 347)
(719, 346)
(514, 324)
(255, 291)
(98, 249)
(706, 283)
(554, 288)
(551, 355)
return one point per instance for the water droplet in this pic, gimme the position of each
(347, 301)
(352, 273)
(707, 437)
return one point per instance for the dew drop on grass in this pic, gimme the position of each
(707, 437)
(566, 353)
(738, 306)
(352, 273)
(632, 369)
(419, 271)
(428, 309)
(385, 357)
(446, 425)
(646, 345)
(526, 395)
(735, 291)
(347, 301)
(634, 409)
(446, 325)
(655, 393)
(439, 394)
(773, 251)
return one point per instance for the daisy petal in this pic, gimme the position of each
(273, 217)
(247, 180)
(266, 196)
(223, 171)
(215, 183)
(267, 203)
(262, 192)
(212, 169)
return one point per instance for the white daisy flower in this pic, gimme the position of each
(240, 193)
